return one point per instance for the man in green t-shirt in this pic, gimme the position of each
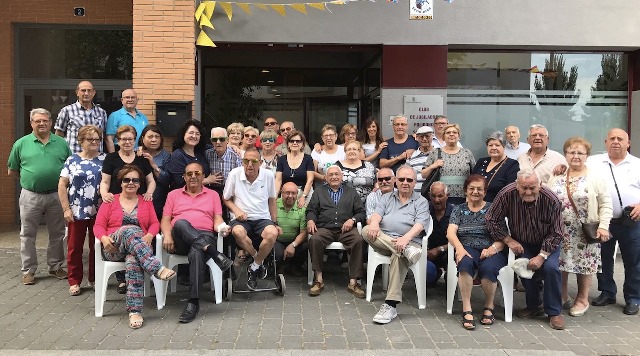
(37, 159)
(292, 245)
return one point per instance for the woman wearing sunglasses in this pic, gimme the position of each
(268, 154)
(297, 167)
(126, 227)
(249, 139)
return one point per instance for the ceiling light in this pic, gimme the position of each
(271, 81)
(265, 71)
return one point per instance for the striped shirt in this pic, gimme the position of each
(335, 195)
(72, 117)
(537, 223)
(417, 160)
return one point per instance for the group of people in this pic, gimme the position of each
(281, 196)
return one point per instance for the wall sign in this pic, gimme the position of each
(420, 9)
(421, 110)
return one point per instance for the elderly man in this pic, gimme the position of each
(439, 123)
(286, 127)
(292, 244)
(535, 222)
(250, 194)
(83, 112)
(400, 147)
(440, 211)
(190, 219)
(424, 137)
(127, 115)
(37, 159)
(271, 123)
(396, 230)
(540, 158)
(386, 184)
(514, 147)
(222, 159)
(623, 179)
(332, 215)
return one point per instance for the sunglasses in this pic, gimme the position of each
(384, 179)
(193, 173)
(218, 139)
(286, 129)
(250, 161)
(409, 180)
(270, 123)
(131, 180)
(250, 136)
(295, 141)
(272, 140)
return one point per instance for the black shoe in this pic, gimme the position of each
(252, 278)
(220, 259)
(603, 300)
(189, 313)
(631, 309)
(263, 271)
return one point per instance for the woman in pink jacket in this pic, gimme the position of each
(126, 228)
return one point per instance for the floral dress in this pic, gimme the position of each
(576, 255)
(84, 179)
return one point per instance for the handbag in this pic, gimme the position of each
(589, 229)
(432, 178)
(625, 219)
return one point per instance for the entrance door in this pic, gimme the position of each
(337, 112)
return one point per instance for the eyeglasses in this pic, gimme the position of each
(329, 135)
(297, 142)
(131, 180)
(250, 161)
(193, 173)
(399, 124)
(92, 139)
(538, 135)
(574, 153)
(126, 139)
(265, 140)
(384, 179)
(250, 136)
(286, 129)
(353, 133)
(270, 123)
(129, 97)
(451, 132)
(475, 189)
(218, 139)
(40, 122)
(409, 180)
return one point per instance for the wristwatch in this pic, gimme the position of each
(442, 249)
(354, 220)
(543, 256)
(294, 244)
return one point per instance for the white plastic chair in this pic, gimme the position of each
(505, 277)
(419, 270)
(104, 269)
(172, 260)
(332, 246)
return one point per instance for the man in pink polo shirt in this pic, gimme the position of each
(190, 219)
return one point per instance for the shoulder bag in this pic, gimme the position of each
(589, 229)
(432, 178)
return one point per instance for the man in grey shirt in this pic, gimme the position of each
(396, 229)
(386, 184)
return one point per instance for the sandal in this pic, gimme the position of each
(166, 274)
(466, 323)
(487, 319)
(122, 288)
(135, 320)
(74, 290)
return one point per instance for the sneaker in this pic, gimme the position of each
(28, 279)
(412, 254)
(356, 290)
(316, 289)
(252, 278)
(385, 314)
(263, 271)
(60, 273)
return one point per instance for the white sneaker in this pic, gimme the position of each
(385, 314)
(412, 254)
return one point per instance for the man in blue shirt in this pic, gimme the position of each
(401, 145)
(127, 115)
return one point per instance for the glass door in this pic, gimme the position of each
(337, 112)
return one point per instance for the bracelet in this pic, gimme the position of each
(494, 248)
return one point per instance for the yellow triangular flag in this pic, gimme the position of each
(261, 6)
(279, 8)
(209, 6)
(226, 6)
(245, 7)
(204, 40)
(299, 7)
(317, 5)
(205, 22)
(338, 2)
(199, 11)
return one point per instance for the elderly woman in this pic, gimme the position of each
(126, 227)
(189, 146)
(372, 141)
(456, 163)
(268, 154)
(585, 198)
(498, 169)
(235, 133)
(475, 250)
(249, 138)
(348, 133)
(78, 192)
(151, 147)
(330, 153)
(357, 173)
(297, 167)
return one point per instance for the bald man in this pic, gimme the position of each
(127, 115)
(291, 246)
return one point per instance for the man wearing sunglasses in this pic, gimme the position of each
(250, 194)
(386, 184)
(286, 128)
(221, 158)
(396, 230)
(271, 123)
(191, 217)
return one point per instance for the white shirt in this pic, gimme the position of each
(326, 160)
(436, 144)
(514, 153)
(627, 175)
(252, 198)
(544, 167)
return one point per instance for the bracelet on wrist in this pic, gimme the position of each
(494, 248)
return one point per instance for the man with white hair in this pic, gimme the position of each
(400, 147)
(540, 158)
(221, 159)
(424, 136)
(514, 148)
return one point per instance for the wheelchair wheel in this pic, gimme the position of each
(280, 283)
(227, 289)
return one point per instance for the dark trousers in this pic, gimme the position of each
(351, 240)
(298, 258)
(190, 242)
(552, 278)
(629, 240)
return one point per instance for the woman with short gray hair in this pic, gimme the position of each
(497, 169)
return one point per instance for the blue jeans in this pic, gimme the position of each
(629, 240)
(433, 274)
(552, 277)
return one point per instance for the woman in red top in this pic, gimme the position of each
(126, 227)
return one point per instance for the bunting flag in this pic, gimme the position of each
(205, 10)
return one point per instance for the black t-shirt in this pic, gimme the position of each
(298, 175)
(113, 164)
